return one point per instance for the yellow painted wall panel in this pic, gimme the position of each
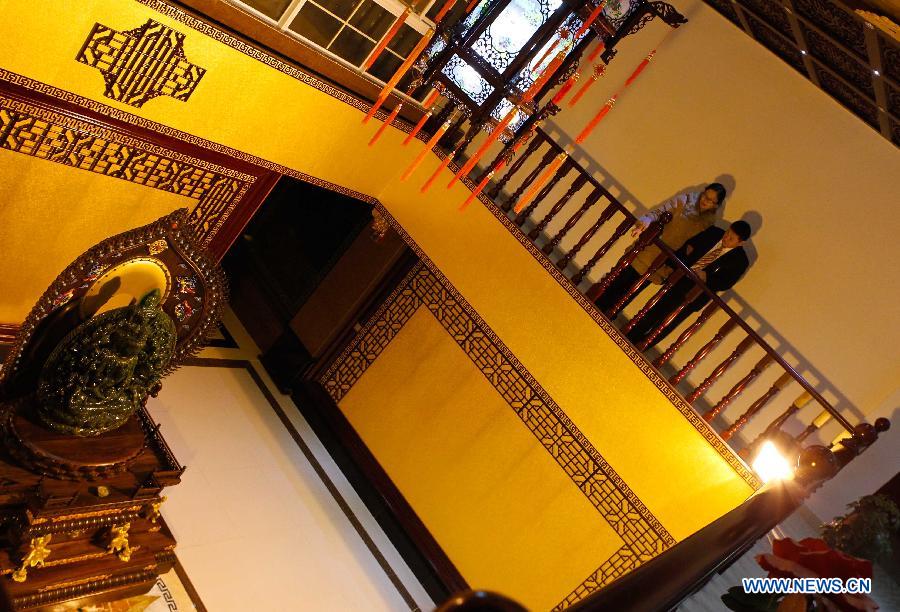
(50, 214)
(506, 514)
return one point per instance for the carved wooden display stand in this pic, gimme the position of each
(80, 516)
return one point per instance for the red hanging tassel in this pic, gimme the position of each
(440, 169)
(494, 135)
(386, 123)
(444, 10)
(640, 68)
(564, 90)
(542, 180)
(599, 71)
(597, 118)
(590, 20)
(597, 51)
(389, 35)
(425, 149)
(416, 129)
(407, 63)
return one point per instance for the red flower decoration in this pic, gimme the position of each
(813, 558)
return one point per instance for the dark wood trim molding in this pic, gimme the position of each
(259, 33)
(329, 422)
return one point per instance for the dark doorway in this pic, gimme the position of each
(290, 245)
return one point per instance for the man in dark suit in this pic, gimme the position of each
(717, 256)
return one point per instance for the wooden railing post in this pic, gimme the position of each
(802, 400)
(605, 216)
(703, 352)
(620, 303)
(577, 184)
(494, 191)
(689, 297)
(685, 335)
(646, 237)
(754, 408)
(741, 348)
(548, 157)
(524, 215)
(654, 300)
(738, 388)
(588, 203)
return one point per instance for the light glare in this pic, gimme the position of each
(770, 465)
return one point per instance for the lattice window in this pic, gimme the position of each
(467, 78)
(512, 28)
(350, 29)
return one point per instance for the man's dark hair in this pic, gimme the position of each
(742, 229)
(720, 190)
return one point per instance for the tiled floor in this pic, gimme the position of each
(263, 517)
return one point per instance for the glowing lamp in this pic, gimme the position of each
(770, 464)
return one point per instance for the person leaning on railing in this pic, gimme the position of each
(691, 213)
(715, 255)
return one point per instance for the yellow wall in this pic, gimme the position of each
(50, 214)
(714, 103)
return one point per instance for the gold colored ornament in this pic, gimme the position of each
(37, 553)
(151, 512)
(158, 246)
(118, 543)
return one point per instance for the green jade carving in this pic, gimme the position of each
(105, 368)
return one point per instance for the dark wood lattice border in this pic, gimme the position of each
(643, 535)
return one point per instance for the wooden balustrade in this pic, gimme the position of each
(689, 297)
(592, 199)
(618, 233)
(685, 336)
(636, 286)
(817, 423)
(495, 191)
(758, 405)
(738, 388)
(741, 348)
(654, 300)
(560, 174)
(548, 157)
(577, 184)
(802, 400)
(605, 216)
(705, 350)
(667, 256)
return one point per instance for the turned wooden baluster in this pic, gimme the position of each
(646, 237)
(754, 408)
(577, 184)
(658, 261)
(666, 286)
(801, 401)
(605, 216)
(738, 388)
(525, 214)
(687, 299)
(494, 191)
(703, 352)
(618, 233)
(590, 201)
(548, 157)
(741, 348)
(816, 424)
(685, 335)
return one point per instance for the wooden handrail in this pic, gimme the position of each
(677, 265)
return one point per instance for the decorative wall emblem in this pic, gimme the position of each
(141, 64)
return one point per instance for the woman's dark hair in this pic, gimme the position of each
(720, 190)
(742, 229)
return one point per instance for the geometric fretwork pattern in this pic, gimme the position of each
(642, 534)
(141, 64)
(55, 137)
